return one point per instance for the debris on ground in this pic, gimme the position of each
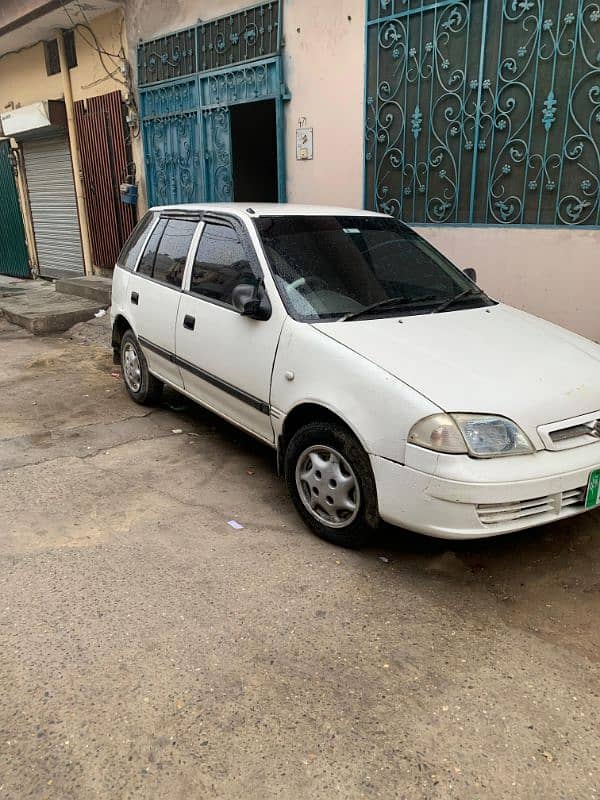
(100, 314)
(93, 331)
(235, 525)
(384, 559)
(177, 430)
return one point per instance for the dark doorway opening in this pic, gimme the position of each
(254, 152)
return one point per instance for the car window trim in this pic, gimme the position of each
(191, 218)
(238, 227)
(118, 262)
(145, 245)
(188, 218)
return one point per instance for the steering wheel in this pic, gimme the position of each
(311, 281)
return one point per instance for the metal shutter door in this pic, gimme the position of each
(53, 207)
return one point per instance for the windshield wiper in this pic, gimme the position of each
(390, 301)
(451, 300)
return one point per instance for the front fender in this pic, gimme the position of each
(375, 405)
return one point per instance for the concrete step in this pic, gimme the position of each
(93, 288)
(42, 310)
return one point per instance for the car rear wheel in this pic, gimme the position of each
(329, 477)
(143, 387)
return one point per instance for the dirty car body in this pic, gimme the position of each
(391, 386)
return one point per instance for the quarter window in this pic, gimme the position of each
(146, 265)
(221, 264)
(133, 246)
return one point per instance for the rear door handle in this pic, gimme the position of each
(189, 322)
(135, 298)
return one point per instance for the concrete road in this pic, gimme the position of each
(147, 650)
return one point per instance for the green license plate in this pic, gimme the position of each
(592, 498)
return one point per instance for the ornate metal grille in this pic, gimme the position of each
(172, 56)
(245, 35)
(484, 111)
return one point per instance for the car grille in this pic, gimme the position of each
(571, 433)
(549, 506)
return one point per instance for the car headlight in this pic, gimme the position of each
(479, 435)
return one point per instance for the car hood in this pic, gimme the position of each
(493, 360)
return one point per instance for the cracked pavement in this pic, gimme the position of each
(147, 650)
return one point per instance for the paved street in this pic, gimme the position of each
(148, 650)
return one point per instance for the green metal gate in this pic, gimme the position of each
(13, 250)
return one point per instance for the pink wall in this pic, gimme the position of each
(551, 272)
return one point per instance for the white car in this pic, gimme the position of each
(390, 385)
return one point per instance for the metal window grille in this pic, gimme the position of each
(249, 34)
(484, 111)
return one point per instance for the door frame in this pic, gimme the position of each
(196, 99)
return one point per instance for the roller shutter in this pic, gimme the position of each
(53, 207)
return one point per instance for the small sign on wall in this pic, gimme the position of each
(304, 141)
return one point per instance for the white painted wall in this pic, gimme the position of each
(554, 273)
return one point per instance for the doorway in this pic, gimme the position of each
(254, 152)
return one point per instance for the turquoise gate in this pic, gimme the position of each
(13, 250)
(484, 111)
(188, 82)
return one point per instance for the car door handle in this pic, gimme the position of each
(135, 298)
(189, 322)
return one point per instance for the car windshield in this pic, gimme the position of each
(328, 268)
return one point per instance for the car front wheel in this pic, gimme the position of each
(329, 477)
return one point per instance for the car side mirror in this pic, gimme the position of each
(251, 301)
(471, 274)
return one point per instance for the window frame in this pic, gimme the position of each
(135, 237)
(287, 303)
(250, 251)
(51, 53)
(189, 216)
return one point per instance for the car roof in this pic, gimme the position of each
(270, 209)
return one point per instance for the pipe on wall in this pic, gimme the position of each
(74, 147)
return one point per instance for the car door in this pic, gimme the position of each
(226, 358)
(154, 293)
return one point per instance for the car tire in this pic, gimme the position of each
(143, 387)
(329, 477)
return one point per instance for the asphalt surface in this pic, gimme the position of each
(149, 650)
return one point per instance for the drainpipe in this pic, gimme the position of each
(26, 209)
(79, 190)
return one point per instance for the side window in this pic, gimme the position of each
(172, 252)
(221, 263)
(133, 246)
(146, 265)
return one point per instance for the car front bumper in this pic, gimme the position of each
(457, 497)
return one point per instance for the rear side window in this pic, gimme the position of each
(146, 265)
(172, 252)
(133, 246)
(221, 264)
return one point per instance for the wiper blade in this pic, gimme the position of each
(451, 300)
(390, 301)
